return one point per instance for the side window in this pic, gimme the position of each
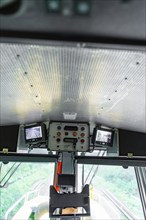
(113, 192)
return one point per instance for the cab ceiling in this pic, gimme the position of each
(41, 82)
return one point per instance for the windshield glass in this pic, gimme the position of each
(113, 192)
(24, 192)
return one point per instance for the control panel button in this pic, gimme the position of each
(82, 128)
(82, 141)
(58, 140)
(74, 134)
(59, 127)
(58, 133)
(82, 134)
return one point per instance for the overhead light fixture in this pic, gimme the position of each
(69, 115)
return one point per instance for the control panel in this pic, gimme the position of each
(68, 136)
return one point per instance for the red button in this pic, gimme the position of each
(82, 135)
(82, 140)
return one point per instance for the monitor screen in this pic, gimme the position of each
(103, 137)
(33, 132)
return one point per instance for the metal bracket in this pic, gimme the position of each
(72, 200)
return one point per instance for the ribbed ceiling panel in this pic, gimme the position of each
(39, 83)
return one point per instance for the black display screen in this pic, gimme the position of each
(71, 128)
(132, 142)
(9, 137)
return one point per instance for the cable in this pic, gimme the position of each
(1, 186)
(91, 168)
(7, 172)
(95, 170)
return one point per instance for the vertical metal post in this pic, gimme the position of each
(140, 173)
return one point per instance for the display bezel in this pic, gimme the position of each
(102, 143)
(41, 139)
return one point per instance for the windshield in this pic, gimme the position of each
(113, 191)
(24, 192)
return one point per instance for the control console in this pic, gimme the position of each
(68, 136)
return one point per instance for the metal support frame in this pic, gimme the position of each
(113, 161)
(19, 157)
(68, 168)
(96, 160)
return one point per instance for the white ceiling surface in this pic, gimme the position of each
(39, 83)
